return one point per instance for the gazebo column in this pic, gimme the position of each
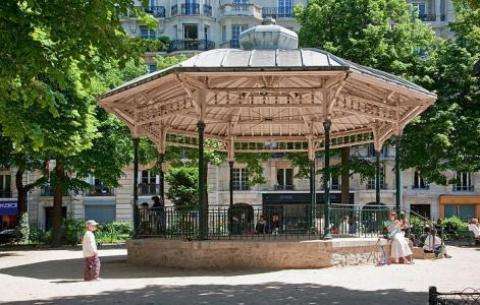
(203, 208)
(136, 216)
(161, 176)
(398, 175)
(377, 176)
(326, 177)
(313, 193)
(231, 163)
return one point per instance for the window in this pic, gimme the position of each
(190, 31)
(371, 181)
(284, 8)
(5, 183)
(148, 183)
(464, 211)
(419, 182)
(284, 179)
(240, 179)
(463, 182)
(147, 33)
(152, 68)
(420, 10)
(335, 184)
(236, 30)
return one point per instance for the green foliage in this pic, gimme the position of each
(254, 165)
(183, 186)
(73, 231)
(455, 228)
(154, 45)
(39, 237)
(168, 61)
(113, 232)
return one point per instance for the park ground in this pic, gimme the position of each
(54, 277)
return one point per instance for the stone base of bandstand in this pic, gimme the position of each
(255, 254)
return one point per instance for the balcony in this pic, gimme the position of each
(284, 187)
(427, 17)
(191, 45)
(99, 190)
(463, 188)
(277, 12)
(420, 187)
(237, 186)
(148, 189)
(186, 9)
(5, 194)
(241, 9)
(156, 11)
(371, 185)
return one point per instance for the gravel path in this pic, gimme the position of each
(54, 277)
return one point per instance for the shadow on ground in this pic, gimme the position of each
(112, 267)
(270, 293)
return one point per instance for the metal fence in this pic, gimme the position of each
(468, 296)
(243, 221)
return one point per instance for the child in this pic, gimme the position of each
(89, 247)
(433, 244)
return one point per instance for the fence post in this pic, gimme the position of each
(432, 295)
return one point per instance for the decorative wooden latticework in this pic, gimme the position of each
(275, 99)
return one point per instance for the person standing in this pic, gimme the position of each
(90, 252)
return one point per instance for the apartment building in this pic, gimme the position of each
(198, 25)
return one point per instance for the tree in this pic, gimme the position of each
(446, 136)
(183, 182)
(382, 34)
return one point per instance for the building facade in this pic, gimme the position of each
(282, 187)
(198, 25)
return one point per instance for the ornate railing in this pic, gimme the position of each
(277, 12)
(156, 11)
(268, 221)
(463, 188)
(468, 296)
(427, 17)
(193, 45)
(207, 10)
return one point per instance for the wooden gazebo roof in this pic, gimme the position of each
(268, 100)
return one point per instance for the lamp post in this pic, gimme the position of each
(326, 178)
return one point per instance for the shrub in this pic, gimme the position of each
(113, 232)
(73, 230)
(455, 228)
(38, 236)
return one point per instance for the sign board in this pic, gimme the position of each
(8, 207)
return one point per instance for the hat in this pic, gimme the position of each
(91, 223)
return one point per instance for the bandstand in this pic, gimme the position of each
(269, 96)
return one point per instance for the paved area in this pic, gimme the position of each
(54, 277)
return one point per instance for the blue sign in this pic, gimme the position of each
(8, 207)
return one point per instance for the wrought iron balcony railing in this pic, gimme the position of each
(99, 190)
(156, 11)
(371, 185)
(240, 186)
(186, 9)
(241, 9)
(191, 45)
(463, 188)
(420, 187)
(277, 12)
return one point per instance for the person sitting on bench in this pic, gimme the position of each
(474, 227)
(433, 244)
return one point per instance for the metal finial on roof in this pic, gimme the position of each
(268, 36)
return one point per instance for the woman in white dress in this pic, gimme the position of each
(400, 250)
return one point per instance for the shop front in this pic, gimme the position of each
(462, 206)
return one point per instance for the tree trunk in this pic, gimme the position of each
(57, 204)
(22, 192)
(345, 183)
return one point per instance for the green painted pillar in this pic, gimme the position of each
(136, 216)
(398, 176)
(377, 177)
(203, 208)
(313, 197)
(230, 165)
(161, 174)
(326, 178)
